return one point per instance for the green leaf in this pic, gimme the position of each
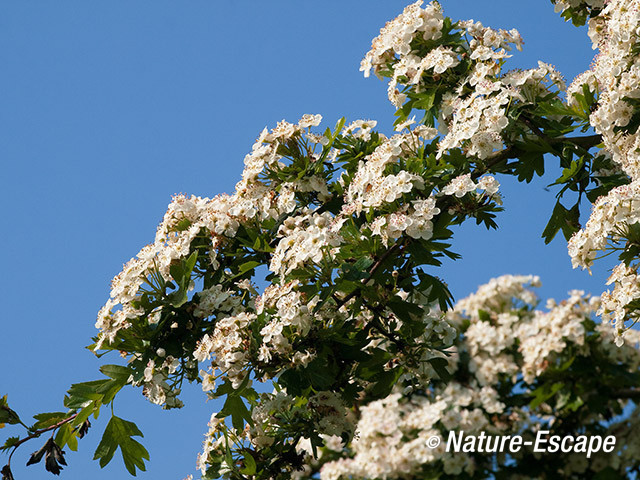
(562, 219)
(339, 126)
(440, 364)
(118, 434)
(405, 311)
(245, 267)
(182, 225)
(358, 270)
(10, 443)
(6, 414)
(386, 381)
(568, 173)
(116, 372)
(544, 393)
(249, 464)
(235, 407)
(294, 381)
(608, 474)
(80, 395)
(45, 420)
(530, 163)
(67, 436)
(181, 273)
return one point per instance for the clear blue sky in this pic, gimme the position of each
(108, 108)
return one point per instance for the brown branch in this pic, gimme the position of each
(535, 129)
(37, 433)
(586, 142)
(630, 393)
(376, 266)
(495, 159)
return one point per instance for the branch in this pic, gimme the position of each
(37, 433)
(535, 129)
(586, 142)
(376, 266)
(495, 159)
(631, 393)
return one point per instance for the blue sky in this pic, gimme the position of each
(109, 108)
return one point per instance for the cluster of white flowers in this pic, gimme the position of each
(615, 79)
(614, 303)
(562, 5)
(271, 414)
(616, 32)
(474, 111)
(414, 219)
(263, 418)
(506, 336)
(227, 346)
(216, 300)
(154, 383)
(214, 221)
(381, 451)
(395, 39)
(538, 334)
(292, 310)
(360, 129)
(548, 332)
(213, 441)
(370, 187)
(392, 435)
(475, 121)
(463, 184)
(611, 218)
(490, 336)
(305, 238)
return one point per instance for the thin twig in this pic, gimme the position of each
(632, 393)
(586, 142)
(37, 433)
(376, 266)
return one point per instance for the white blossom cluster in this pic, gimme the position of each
(214, 221)
(562, 5)
(463, 184)
(371, 186)
(474, 112)
(395, 40)
(615, 78)
(616, 32)
(611, 217)
(228, 348)
(614, 303)
(414, 219)
(330, 416)
(475, 121)
(305, 238)
(506, 338)
(155, 386)
(392, 434)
